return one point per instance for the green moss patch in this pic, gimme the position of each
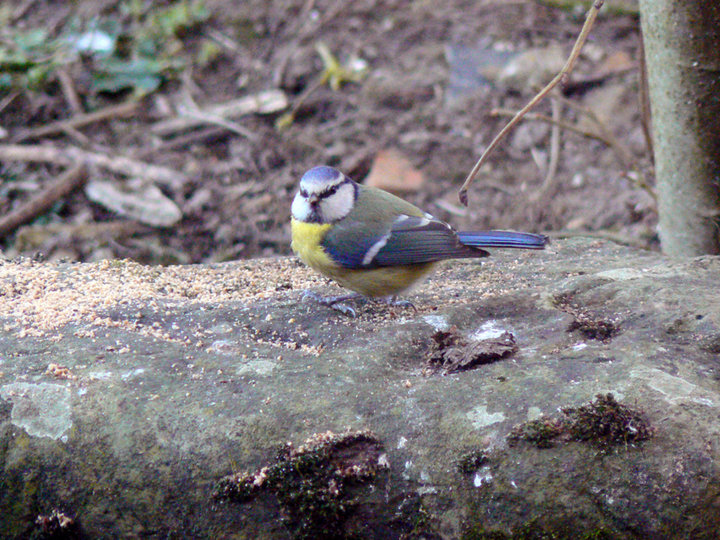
(604, 422)
(315, 483)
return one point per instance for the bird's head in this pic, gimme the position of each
(326, 195)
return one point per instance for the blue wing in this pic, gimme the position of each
(409, 240)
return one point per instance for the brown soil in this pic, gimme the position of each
(236, 201)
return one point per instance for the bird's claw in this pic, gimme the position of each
(395, 301)
(344, 309)
(335, 302)
(338, 302)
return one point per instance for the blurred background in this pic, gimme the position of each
(176, 132)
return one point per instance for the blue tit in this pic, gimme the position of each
(377, 244)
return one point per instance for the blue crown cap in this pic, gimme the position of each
(320, 175)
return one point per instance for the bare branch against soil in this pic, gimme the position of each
(567, 68)
(7, 100)
(549, 184)
(34, 154)
(228, 125)
(71, 155)
(623, 155)
(70, 180)
(68, 89)
(76, 136)
(181, 141)
(626, 7)
(266, 102)
(552, 121)
(115, 111)
(604, 136)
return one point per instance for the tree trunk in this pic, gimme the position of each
(682, 48)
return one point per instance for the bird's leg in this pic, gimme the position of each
(335, 302)
(395, 301)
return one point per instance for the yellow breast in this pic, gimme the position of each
(306, 238)
(375, 282)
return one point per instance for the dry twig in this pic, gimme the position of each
(115, 111)
(7, 100)
(567, 68)
(552, 121)
(71, 155)
(181, 141)
(266, 102)
(603, 134)
(625, 157)
(548, 187)
(68, 89)
(70, 180)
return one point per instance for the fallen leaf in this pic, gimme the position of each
(392, 171)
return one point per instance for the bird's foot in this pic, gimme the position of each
(335, 302)
(395, 301)
(339, 302)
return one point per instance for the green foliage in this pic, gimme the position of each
(133, 49)
(28, 57)
(335, 74)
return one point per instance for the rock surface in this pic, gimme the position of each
(127, 393)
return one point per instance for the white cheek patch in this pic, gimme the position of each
(374, 249)
(300, 208)
(339, 204)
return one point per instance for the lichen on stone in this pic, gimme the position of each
(313, 482)
(604, 422)
(471, 461)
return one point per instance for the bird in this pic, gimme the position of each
(375, 243)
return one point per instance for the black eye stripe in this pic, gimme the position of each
(330, 191)
(323, 194)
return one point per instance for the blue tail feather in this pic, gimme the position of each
(503, 239)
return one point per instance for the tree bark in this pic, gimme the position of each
(682, 48)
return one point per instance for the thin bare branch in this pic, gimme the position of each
(68, 89)
(71, 155)
(266, 102)
(116, 111)
(567, 68)
(549, 184)
(549, 120)
(66, 183)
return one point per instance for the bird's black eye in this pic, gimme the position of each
(303, 193)
(330, 191)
